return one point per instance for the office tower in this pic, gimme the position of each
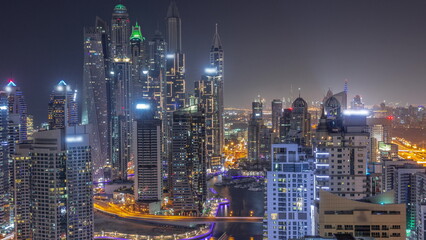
(188, 165)
(277, 110)
(175, 61)
(62, 109)
(217, 55)
(95, 94)
(259, 140)
(147, 150)
(4, 167)
(61, 208)
(290, 194)
(342, 151)
(120, 89)
(377, 218)
(300, 123)
(209, 92)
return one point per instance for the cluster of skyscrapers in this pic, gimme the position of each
(341, 178)
(136, 117)
(144, 119)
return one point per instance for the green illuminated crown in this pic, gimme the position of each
(136, 33)
(120, 7)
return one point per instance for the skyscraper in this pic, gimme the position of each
(62, 110)
(61, 208)
(209, 92)
(4, 167)
(95, 94)
(277, 110)
(175, 60)
(139, 84)
(156, 76)
(16, 129)
(147, 150)
(259, 136)
(188, 165)
(120, 89)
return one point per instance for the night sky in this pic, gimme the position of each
(270, 45)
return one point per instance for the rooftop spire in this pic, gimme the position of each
(217, 44)
(173, 11)
(136, 33)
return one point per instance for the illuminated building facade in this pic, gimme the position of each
(147, 146)
(62, 109)
(61, 208)
(175, 60)
(4, 167)
(290, 194)
(188, 165)
(209, 92)
(95, 94)
(120, 89)
(342, 150)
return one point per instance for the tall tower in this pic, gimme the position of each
(147, 149)
(277, 110)
(174, 29)
(120, 89)
(188, 165)
(175, 60)
(4, 167)
(95, 94)
(138, 60)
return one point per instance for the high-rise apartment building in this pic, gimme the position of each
(188, 165)
(62, 207)
(290, 194)
(120, 92)
(95, 106)
(342, 151)
(62, 109)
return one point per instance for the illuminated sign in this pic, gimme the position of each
(170, 56)
(142, 106)
(145, 72)
(385, 147)
(210, 70)
(74, 139)
(350, 112)
(3, 107)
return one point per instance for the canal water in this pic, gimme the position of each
(242, 203)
